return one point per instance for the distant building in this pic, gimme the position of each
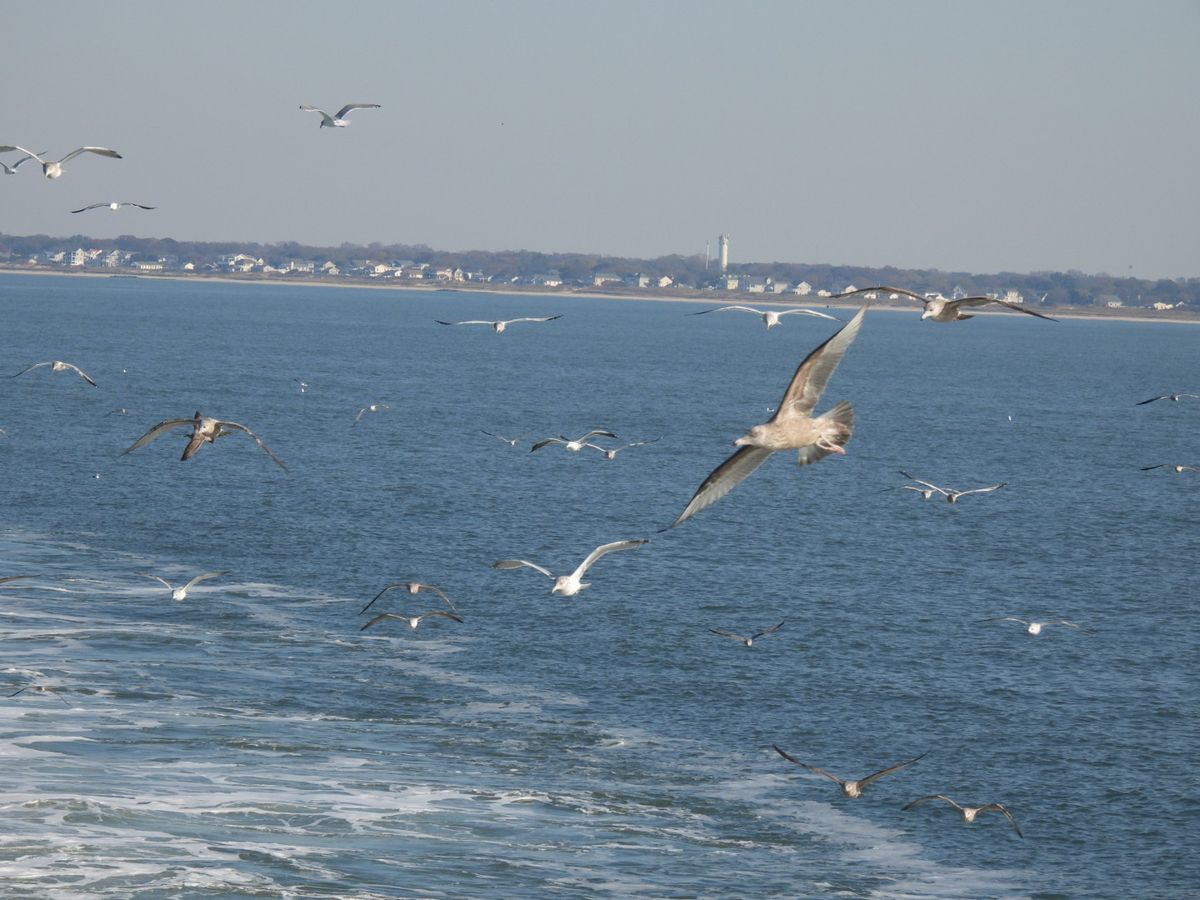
(803, 288)
(723, 253)
(665, 281)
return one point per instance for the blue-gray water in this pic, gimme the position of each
(250, 741)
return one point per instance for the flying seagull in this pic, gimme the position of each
(179, 593)
(205, 429)
(942, 310)
(748, 641)
(39, 689)
(611, 452)
(500, 324)
(792, 427)
(1034, 628)
(303, 385)
(573, 445)
(512, 442)
(413, 587)
(1177, 469)
(770, 317)
(12, 170)
(852, 789)
(570, 585)
(55, 169)
(413, 621)
(114, 205)
(339, 120)
(1174, 397)
(950, 494)
(374, 407)
(969, 812)
(57, 365)
(118, 411)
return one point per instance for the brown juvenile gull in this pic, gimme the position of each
(942, 310)
(969, 812)
(852, 789)
(179, 593)
(1177, 469)
(570, 585)
(55, 169)
(792, 427)
(114, 205)
(1034, 628)
(1173, 397)
(950, 494)
(57, 365)
(500, 324)
(611, 452)
(748, 641)
(413, 587)
(413, 621)
(573, 445)
(339, 119)
(770, 317)
(374, 407)
(205, 430)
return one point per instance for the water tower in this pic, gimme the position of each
(723, 252)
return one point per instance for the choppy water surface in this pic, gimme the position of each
(250, 741)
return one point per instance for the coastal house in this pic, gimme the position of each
(444, 274)
(638, 280)
(753, 284)
(1013, 297)
(803, 289)
(729, 282)
(602, 278)
(301, 266)
(1163, 307)
(330, 268)
(664, 281)
(776, 287)
(148, 265)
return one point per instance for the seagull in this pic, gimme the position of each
(573, 445)
(55, 169)
(302, 384)
(205, 429)
(413, 587)
(339, 120)
(114, 205)
(413, 621)
(748, 641)
(119, 411)
(12, 170)
(950, 494)
(942, 310)
(1177, 469)
(969, 812)
(179, 593)
(500, 324)
(39, 689)
(570, 585)
(374, 407)
(770, 317)
(57, 365)
(512, 442)
(1033, 628)
(1174, 397)
(611, 452)
(851, 789)
(792, 427)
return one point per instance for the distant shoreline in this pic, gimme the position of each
(1171, 317)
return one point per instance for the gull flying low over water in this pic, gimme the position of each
(611, 452)
(770, 317)
(1033, 628)
(413, 621)
(500, 324)
(339, 120)
(748, 641)
(12, 170)
(1177, 469)
(374, 407)
(570, 585)
(969, 812)
(512, 442)
(57, 365)
(114, 205)
(413, 587)
(852, 789)
(39, 689)
(943, 310)
(179, 593)
(792, 427)
(573, 445)
(54, 169)
(1173, 397)
(927, 490)
(205, 430)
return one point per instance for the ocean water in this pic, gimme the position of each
(250, 741)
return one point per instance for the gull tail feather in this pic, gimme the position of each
(838, 423)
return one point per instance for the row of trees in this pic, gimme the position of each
(1058, 288)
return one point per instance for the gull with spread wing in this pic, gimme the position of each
(205, 430)
(939, 309)
(1033, 628)
(53, 169)
(927, 490)
(413, 587)
(570, 585)
(180, 593)
(413, 621)
(498, 325)
(748, 641)
(969, 813)
(57, 365)
(852, 789)
(770, 317)
(339, 120)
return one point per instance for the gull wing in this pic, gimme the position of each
(1029, 312)
(199, 578)
(933, 487)
(518, 563)
(381, 617)
(28, 153)
(467, 322)
(8, 578)
(602, 550)
(341, 114)
(805, 765)
(1063, 622)
(983, 490)
(1152, 399)
(729, 634)
(813, 374)
(433, 589)
(381, 593)
(723, 479)
(82, 374)
(1005, 619)
(101, 151)
(597, 432)
(540, 444)
(535, 319)
(162, 581)
(808, 312)
(921, 800)
(157, 431)
(1001, 809)
(257, 440)
(324, 115)
(86, 208)
(31, 368)
(882, 288)
(766, 631)
(444, 614)
(863, 782)
(749, 309)
(138, 205)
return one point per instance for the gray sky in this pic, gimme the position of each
(1015, 136)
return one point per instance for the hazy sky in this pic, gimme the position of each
(1014, 136)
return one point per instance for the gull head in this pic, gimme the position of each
(179, 593)
(755, 437)
(499, 326)
(1034, 628)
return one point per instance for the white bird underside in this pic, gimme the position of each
(57, 365)
(569, 585)
(339, 119)
(52, 169)
(969, 813)
(114, 205)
